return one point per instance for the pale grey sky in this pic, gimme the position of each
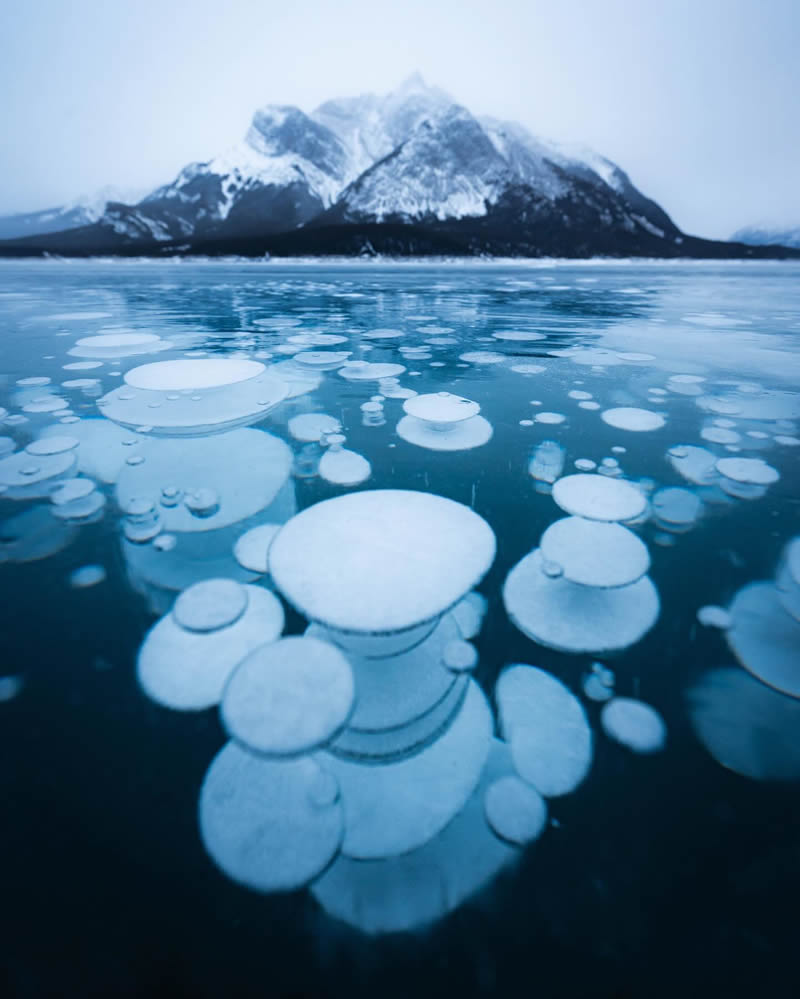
(696, 99)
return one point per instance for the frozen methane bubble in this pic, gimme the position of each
(751, 471)
(87, 575)
(395, 807)
(714, 617)
(210, 604)
(765, 638)
(676, 506)
(343, 467)
(574, 618)
(518, 336)
(27, 476)
(289, 697)
(272, 825)
(322, 360)
(550, 418)
(788, 578)
(194, 397)
(381, 560)
(547, 728)
(547, 462)
(188, 670)
(745, 725)
(469, 614)
(528, 369)
(365, 371)
(441, 421)
(482, 357)
(630, 418)
(595, 553)
(695, 464)
(52, 445)
(33, 534)
(414, 889)
(634, 724)
(193, 375)
(312, 426)
(441, 409)
(245, 468)
(459, 656)
(515, 810)
(383, 334)
(119, 345)
(251, 550)
(598, 497)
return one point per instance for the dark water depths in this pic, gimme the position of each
(661, 874)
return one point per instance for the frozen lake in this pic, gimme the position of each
(379, 629)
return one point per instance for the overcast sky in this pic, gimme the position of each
(698, 100)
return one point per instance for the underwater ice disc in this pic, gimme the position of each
(272, 825)
(574, 618)
(597, 497)
(194, 397)
(289, 696)
(594, 553)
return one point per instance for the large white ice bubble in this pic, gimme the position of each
(381, 560)
(788, 578)
(245, 468)
(765, 638)
(595, 553)
(515, 810)
(194, 397)
(547, 728)
(751, 471)
(598, 497)
(289, 697)
(312, 426)
(187, 670)
(413, 890)
(746, 726)
(119, 345)
(630, 418)
(343, 467)
(396, 807)
(634, 724)
(271, 825)
(574, 618)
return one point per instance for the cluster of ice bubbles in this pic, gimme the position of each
(362, 752)
(748, 716)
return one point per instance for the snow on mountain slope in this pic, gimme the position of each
(767, 234)
(447, 168)
(82, 211)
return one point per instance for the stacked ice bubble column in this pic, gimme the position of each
(585, 589)
(195, 473)
(441, 421)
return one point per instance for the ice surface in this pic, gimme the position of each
(380, 560)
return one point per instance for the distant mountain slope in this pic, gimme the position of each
(360, 169)
(83, 211)
(769, 235)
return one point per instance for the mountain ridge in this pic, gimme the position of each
(370, 164)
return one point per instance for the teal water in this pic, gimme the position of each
(674, 870)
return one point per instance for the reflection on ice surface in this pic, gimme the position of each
(343, 509)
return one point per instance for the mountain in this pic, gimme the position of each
(765, 235)
(408, 172)
(83, 211)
